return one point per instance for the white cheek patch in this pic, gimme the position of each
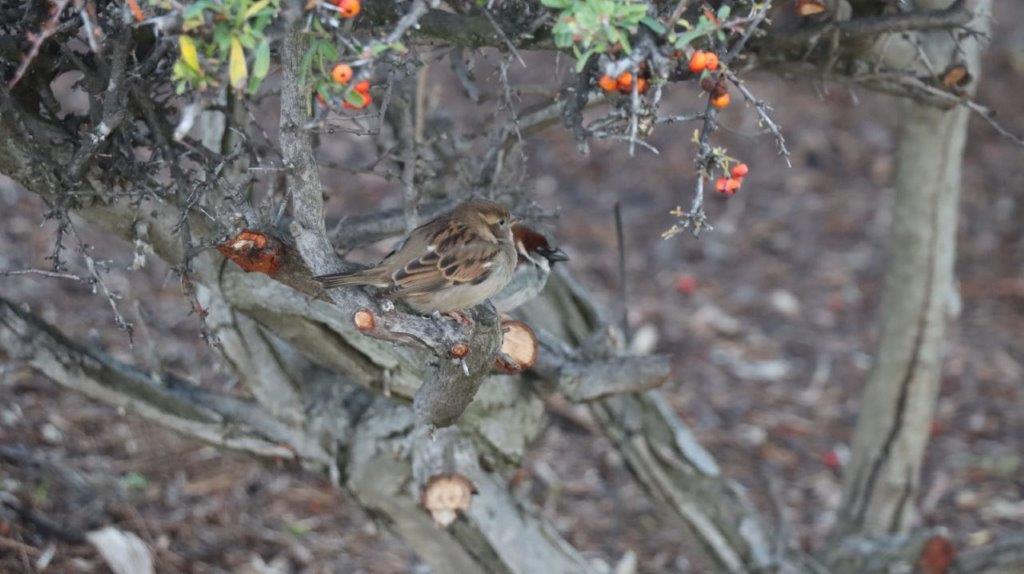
(488, 265)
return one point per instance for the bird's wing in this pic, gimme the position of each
(456, 259)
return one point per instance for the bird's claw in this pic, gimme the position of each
(460, 317)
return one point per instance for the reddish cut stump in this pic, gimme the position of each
(254, 251)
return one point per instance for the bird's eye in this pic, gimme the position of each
(501, 221)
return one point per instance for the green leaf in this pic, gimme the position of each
(559, 4)
(196, 10)
(238, 71)
(222, 37)
(703, 28)
(581, 59)
(134, 481)
(723, 12)
(256, 8)
(654, 25)
(355, 98)
(260, 66)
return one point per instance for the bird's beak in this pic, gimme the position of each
(556, 255)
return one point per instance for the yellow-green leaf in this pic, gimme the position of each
(238, 71)
(188, 53)
(256, 8)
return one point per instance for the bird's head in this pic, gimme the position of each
(534, 247)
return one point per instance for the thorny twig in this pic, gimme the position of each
(762, 112)
(504, 37)
(696, 218)
(49, 29)
(907, 85)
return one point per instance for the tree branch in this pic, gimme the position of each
(162, 398)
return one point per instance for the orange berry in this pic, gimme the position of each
(625, 81)
(341, 74)
(607, 83)
(698, 61)
(711, 61)
(363, 87)
(641, 85)
(739, 171)
(721, 101)
(348, 8)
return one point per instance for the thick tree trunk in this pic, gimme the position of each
(882, 481)
(896, 411)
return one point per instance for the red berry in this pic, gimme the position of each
(686, 284)
(739, 171)
(831, 460)
(727, 186)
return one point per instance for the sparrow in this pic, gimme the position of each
(536, 257)
(454, 262)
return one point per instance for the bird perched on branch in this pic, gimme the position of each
(456, 261)
(536, 258)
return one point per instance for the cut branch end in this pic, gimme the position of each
(254, 251)
(445, 495)
(518, 347)
(364, 320)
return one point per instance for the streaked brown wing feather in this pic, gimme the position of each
(453, 262)
(469, 264)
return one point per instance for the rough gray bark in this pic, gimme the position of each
(882, 480)
(347, 433)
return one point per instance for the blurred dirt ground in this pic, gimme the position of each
(771, 319)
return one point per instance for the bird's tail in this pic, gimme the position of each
(363, 277)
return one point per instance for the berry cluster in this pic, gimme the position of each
(703, 61)
(623, 84)
(730, 185)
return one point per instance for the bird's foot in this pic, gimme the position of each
(460, 317)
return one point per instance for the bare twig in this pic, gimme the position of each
(955, 15)
(762, 112)
(44, 273)
(620, 243)
(50, 27)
